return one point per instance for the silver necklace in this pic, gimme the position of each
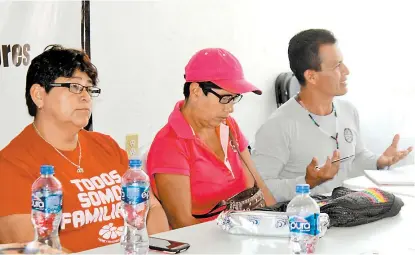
(79, 169)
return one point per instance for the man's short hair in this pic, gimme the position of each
(56, 61)
(303, 51)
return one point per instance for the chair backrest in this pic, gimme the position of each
(286, 86)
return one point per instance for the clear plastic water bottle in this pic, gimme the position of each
(304, 221)
(47, 207)
(135, 204)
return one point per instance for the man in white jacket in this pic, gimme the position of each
(315, 126)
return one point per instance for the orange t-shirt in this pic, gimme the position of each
(91, 215)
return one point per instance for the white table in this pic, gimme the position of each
(386, 236)
(363, 182)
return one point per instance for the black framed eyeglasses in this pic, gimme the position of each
(224, 99)
(77, 88)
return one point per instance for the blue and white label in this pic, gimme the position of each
(255, 220)
(47, 202)
(305, 225)
(134, 194)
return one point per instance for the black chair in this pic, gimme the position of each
(286, 86)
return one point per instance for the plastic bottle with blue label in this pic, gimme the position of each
(135, 186)
(304, 221)
(47, 207)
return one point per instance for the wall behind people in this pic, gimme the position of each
(141, 49)
(26, 28)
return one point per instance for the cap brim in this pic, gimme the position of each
(237, 86)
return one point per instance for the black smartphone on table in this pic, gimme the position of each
(169, 246)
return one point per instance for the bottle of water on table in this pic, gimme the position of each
(135, 204)
(47, 207)
(304, 221)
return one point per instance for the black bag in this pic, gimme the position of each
(347, 208)
(286, 86)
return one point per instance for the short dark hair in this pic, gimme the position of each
(303, 51)
(56, 61)
(202, 84)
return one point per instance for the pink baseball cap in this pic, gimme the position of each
(220, 67)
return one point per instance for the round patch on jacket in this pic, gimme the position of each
(348, 135)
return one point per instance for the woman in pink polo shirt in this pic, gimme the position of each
(191, 162)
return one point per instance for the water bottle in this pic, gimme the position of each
(47, 207)
(135, 204)
(304, 221)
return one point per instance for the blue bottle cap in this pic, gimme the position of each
(302, 189)
(47, 169)
(135, 163)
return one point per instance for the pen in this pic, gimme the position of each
(337, 160)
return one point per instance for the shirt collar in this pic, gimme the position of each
(179, 123)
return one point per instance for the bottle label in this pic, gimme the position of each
(133, 194)
(305, 225)
(47, 202)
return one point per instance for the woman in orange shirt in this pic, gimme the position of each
(60, 84)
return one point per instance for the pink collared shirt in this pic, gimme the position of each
(177, 150)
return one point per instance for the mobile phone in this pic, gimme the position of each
(169, 246)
